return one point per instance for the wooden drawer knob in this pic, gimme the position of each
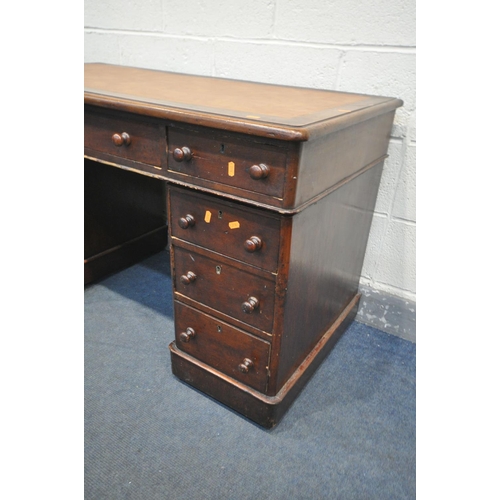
(245, 366)
(187, 335)
(188, 278)
(122, 139)
(187, 221)
(250, 305)
(259, 171)
(182, 154)
(253, 244)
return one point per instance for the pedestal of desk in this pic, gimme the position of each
(265, 410)
(315, 297)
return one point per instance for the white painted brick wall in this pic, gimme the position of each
(367, 46)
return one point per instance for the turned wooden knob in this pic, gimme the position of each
(250, 305)
(188, 278)
(122, 139)
(245, 366)
(187, 335)
(186, 221)
(260, 171)
(253, 244)
(182, 154)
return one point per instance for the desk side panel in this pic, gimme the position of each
(327, 250)
(329, 159)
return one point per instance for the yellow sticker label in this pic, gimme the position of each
(208, 216)
(230, 169)
(234, 225)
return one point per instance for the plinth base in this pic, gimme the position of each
(265, 410)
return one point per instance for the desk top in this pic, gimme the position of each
(288, 113)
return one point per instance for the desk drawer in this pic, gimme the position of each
(252, 164)
(125, 136)
(227, 349)
(243, 233)
(235, 290)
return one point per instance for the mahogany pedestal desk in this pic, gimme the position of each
(268, 195)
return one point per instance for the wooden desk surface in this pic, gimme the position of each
(289, 113)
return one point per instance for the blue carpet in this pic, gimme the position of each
(349, 435)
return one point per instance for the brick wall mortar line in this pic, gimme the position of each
(400, 49)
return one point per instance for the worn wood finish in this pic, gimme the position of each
(226, 227)
(224, 285)
(229, 350)
(271, 191)
(124, 135)
(267, 411)
(328, 160)
(326, 257)
(228, 158)
(261, 110)
(361, 124)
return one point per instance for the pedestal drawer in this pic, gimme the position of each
(227, 349)
(234, 289)
(246, 234)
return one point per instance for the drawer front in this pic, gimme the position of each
(126, 136)
(237, 292)
(225, 348)
(242, 233)
(229, 159)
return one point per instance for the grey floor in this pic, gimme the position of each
(349, 435)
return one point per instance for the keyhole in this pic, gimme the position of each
(220, 214)
(219, 329)
(218, 269)
(222, 147)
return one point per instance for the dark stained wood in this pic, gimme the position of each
(271, 192)
(232, 192)
(223, 346)
(125, 164)
(326, 161)
(188, 278)
(276, 183)
(205, 221)
(326, 257)
(122, 139)
(253, 244)
(118, 257)
(125, 219)
(267, 411)
(229, 159)
(224, 285)
(182, 154)
(188, 335)
(186, 221)
(123, 135)
(260, 171)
